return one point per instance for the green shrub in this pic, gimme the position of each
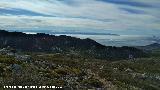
(61, 71)
(93, 82)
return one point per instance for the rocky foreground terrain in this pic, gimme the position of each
(74, 72)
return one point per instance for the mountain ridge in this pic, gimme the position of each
(42, 42)
(150, 47)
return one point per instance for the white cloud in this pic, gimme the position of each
(92, 14)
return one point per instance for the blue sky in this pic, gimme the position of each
(113, 16)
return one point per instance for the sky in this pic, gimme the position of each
(111, 16)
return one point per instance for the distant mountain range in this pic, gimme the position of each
(68, 32)
(84, 33)
(41, 42)
(151, 47)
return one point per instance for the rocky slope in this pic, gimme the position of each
(65, 44)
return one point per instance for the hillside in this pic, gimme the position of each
(78, 73)
(150, 47)
(74, 64)
(41, 42)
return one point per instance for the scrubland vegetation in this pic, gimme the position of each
(75, 72)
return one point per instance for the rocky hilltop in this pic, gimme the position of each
(42, 42)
